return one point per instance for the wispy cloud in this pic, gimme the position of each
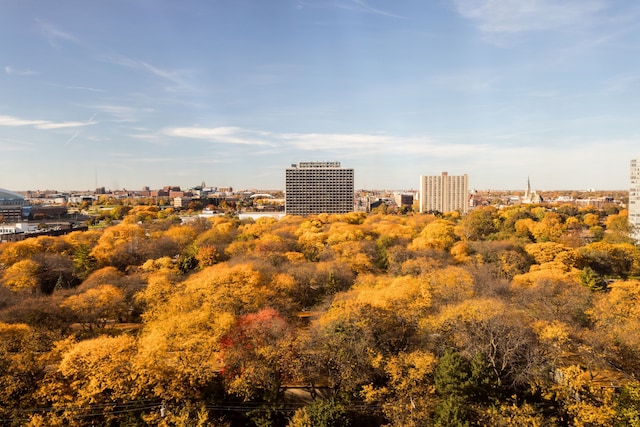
(363, 6)
(54, 35)
(361, 144)
(621, 83)
(11, 144)
(360, 6)
(90, 89)
(225, 135)
(177, 78)
(10, 71)
(468, 81)
(14, 121)
(336, 141)
(122, 113)
(62, 125)
(379, 144)
(518, 16)
(41, 124)
(126, 157)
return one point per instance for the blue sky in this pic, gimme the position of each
(132, 93)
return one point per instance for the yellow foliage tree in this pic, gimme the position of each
(100, 370)
(164, 264)
(438, 234)
(179, 352)
(591, 220)
(612, 259)
(180, 343)
(513, 415)
(391, 226)
(86, 380)
(259, 356)
(83, 238)
(312, 244)
(10, 253)
(408, 397)
(22, 275)
(208, 255)
(223, 231)
(451, 285)
(118, 246)
(103, 276)
(551, 255)
(500, 334)
(617, 313)
(182, 235)
(586, 403)
(97, 306)
(552, 294)
(524, 228)
(20, 369)
(352, 253)
(343, 232)
(270, 244)
(549, 229)
(461, 252)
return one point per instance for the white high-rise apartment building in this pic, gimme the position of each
(444, 193)
(318, 187)
(634, 199)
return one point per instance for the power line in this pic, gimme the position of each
(147, 405)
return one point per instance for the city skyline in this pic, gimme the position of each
(128, 94)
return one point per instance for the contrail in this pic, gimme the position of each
(78, 133)
(71, 139)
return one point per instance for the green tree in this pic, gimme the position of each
(83, 261)
(627, 405)
(613, 260)
(592, 280)
(452, 411)
(321, 413)
(452, 375)
(479, 224)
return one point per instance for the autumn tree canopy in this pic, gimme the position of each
(523, 315)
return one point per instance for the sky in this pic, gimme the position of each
(133, 93)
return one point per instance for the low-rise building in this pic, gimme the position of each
(13, 207)
(181, 202)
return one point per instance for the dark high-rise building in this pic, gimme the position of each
(318, 187)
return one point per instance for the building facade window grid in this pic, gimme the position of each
(444, 193)
(634, 198)
(318, 187)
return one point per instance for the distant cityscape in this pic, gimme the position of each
(310, 188)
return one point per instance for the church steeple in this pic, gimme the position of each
(531, 196)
